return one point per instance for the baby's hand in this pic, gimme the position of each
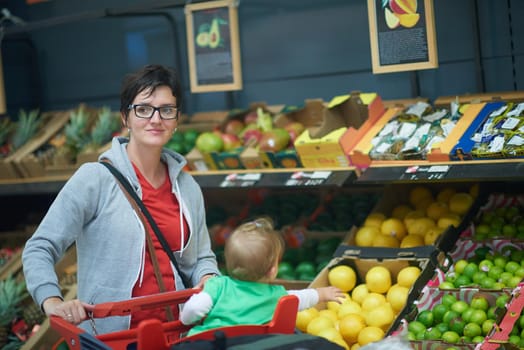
(330, 294)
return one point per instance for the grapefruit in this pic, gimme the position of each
(318, 324)
(378, 279)
(460, 202)
(397, 296)
(350, 326)
(369, 335)
(304, 317)
(372, 300)
(365, 235)
(359, 293)
(408, 275)
(343, 277)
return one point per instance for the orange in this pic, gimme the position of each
(318, 324)
(437, 209)
(304, 317)
(350, 326)
(369, 335)
(393, 227)
(378, 279)
(374, 219)
(343, 277)
(381, 240)
(412, 241)
(400, 211)
(460, 202)
(365, 235)
(397, 296)
(408, 275)
(419, 193)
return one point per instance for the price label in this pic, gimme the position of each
(301, 178)
(241, 180)
(433, 172)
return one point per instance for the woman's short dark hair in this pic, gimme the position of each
(148, 78)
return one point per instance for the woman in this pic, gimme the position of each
(91, 210)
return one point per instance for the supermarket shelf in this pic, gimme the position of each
(481, 170)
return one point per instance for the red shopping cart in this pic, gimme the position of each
(153, 334)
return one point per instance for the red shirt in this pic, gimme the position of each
(165, 210)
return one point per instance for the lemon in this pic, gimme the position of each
(381, 240)
(374, 219)
(343, 277)
(412, 241)
(369, 335)
(418, 193)
(359, 293)
(397, 297)
(393, 227)
(373, 300)
(330, 334)
(409, 20)
(400, 211)
(378, 279)
(437, 209)
(329, 314)
(349, 308)
(445, 194)
(365, 235)
(408, 275)
(460, 202)
(382, 316)
(350, 326)
(304, 317)
(318, 324)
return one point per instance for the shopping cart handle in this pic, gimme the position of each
(126, 307)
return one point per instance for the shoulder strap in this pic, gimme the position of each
(127, 186)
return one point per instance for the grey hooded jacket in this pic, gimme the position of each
(92, 211)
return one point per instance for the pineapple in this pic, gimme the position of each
(76, 136)
(5, 128)
(102, 131)
(11, 294)
(26, 127)
(32, 314)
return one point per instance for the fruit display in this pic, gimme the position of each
(411, 133)
(491, 265)
(376, 293)
(445, 318)
(183, 141)
(512, 325)
(500, 217)
(419, 219)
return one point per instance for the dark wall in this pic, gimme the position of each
(291, 50)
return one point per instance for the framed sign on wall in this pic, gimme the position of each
(402, 35)
(213, 46)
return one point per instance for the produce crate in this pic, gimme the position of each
(431, 297)
(509, 96)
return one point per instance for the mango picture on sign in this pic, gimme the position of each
(400, 13)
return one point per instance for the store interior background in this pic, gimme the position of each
(74, 51)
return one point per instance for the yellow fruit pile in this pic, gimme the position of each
(417, 223)
(367, 311)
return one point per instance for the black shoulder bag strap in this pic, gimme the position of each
(158, 233)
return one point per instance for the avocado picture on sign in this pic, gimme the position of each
(213, 46)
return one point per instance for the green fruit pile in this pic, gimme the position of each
(503, 222)
(487, 270)
(456, 321)
(183, 141)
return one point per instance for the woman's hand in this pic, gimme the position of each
(73, 311)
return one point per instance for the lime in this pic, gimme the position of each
(462, 281)
(464, 339)
(421, 335)
(426, 318)
(514, 282)
(519, 272)
(479, 276)
(478, 316)
(491, 313)
(470, 269)
(514, 339)
(480, 303)
(485, 265)
(487, 326)
(500, 260)
(511, 267)
(504, 277)
(487, 283)
(446, 285)
(450, 337)
(448, 299)
(495, 272)
(502, 300)
(459, 306)
(449, 316)
(509, 230)
(466, 315)
(411, 336)
(457, 325)
(432, 333)
(472, 330)
(416, 327)
(439, 311)
(520, 322)
(442, 327)
(478, 339)
(460, 265)
(517, 255)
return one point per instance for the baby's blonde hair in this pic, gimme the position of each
(253, 249)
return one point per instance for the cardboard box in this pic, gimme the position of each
(404, 102)
(321, 146)
(359, 154)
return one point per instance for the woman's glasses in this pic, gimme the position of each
(147, 111)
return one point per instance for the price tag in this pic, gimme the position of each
(314, 178)
(241, 180)
(434, 172)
